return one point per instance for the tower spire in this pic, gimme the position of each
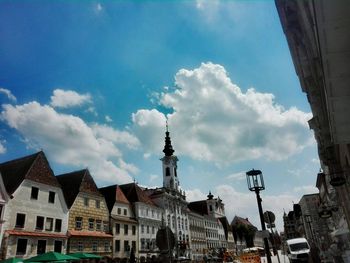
(168, 148)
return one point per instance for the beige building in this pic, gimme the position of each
(88, 223)
(123, 223)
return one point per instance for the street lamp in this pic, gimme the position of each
(255, 183)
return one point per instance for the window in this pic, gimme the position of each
(58, 225)
(119, 210)
(78, 223)
(39, 223)
(49, 224)
(105, 226)
(41, 247)
(20, 219)
(117, 229)
(94, 246)
(133, 230)
(133, 245)
(126, 245)
(98, 225)
(142, 229)
(125, 212)
(117, 245)
(106, 246)
(97, 203)
(51, 197)
(80, 246)
(21, 246)
(147, 229)
(152, 213)
(153, 230)
(167, 171)
(91, 223)
(58, 246)
(126, 229)
(143, 243)
(86, 201)
(35, 192)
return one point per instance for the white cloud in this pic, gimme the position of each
(99, 7)
(214, 120)
(314, 160)
(2, 148)
(237, 176)
(153, 177)
(195, 195)
(149, 126)
(71, 141)
(306, 189)
(108, 118)
(9, 94)
(68, 98)
(115, 136)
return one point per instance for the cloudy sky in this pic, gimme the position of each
(93, 83)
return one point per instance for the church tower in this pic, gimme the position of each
(170, 179)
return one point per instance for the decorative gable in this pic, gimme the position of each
(41, 172)
(88, 185)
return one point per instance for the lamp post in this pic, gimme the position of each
(255, 183)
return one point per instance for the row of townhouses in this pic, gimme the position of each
(68, 213)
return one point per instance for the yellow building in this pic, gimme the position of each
(88, 221)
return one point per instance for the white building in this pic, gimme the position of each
(35, 218)
(172, 199)
(123, 223)
(198, 236)
(149, 217)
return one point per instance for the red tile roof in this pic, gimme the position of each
(77, 233)
(34, 234)
(120, 197)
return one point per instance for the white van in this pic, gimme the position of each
(298, 250)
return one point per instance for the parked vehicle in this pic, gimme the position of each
(298, 250)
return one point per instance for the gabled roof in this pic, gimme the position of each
(113, 194)
(135, 194)
(33, 167)
(75, 182)
(199, 207)
(240, 220)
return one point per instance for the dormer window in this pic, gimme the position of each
(35, 192)
(167, 171)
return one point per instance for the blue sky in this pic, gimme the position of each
(92, 83)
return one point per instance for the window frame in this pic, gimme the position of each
(17, 219)
(52, 197)
(34, 194)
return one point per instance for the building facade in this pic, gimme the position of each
(148, 216)
(318, 36)
(198, 236)
(172, 200)
(88, 223)
(123, 223)
(36, 215)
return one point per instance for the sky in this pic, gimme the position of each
(93, 83)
